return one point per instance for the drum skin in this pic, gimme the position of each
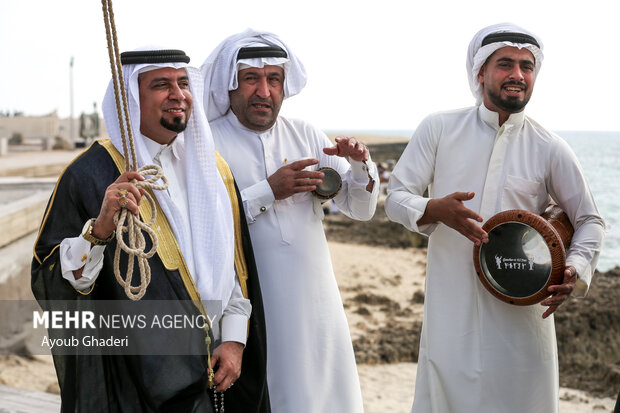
(552, 226)
(329, 188)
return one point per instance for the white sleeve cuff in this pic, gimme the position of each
(360, 172)
(235, 328)
(416, 213)
(257, 199)
(76, 253)
(584, 275)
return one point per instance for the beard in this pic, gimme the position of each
(177, 125)
(511, 104)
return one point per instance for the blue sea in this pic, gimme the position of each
(599, 155)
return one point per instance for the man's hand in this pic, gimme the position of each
(226, 361)
(104, 224)
(560, 293)
(291, 179)
(350, 147)
(451, 211)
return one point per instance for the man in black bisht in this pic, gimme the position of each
(204, 251)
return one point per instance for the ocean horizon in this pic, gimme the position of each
(598, 153)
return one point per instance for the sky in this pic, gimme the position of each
(372, 65)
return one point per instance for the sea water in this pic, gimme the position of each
(599, 155)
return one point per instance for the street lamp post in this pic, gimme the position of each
(71, 138)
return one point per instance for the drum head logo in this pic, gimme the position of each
(514, 263)
(516, 260)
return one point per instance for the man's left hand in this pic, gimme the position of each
(226, 361)
(350, 147)
(560, 293)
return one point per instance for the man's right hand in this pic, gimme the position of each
(451, 211)
(104, 224)
(291, 179)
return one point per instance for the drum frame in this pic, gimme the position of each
(326, 197)
(556, 243)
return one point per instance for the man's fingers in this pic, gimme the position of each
(472, 231)
(561, 289)
(348, 146)
(549, 311)
(554, 300)
(309, 175)
(133, 191)
(129, 176)
(307, 182)
(560, 293)
(224, 385)
(331, 150)
(472, 215)
(366, 154)
(132, 206)
(476, 238)
(220, 374)
(305, 188)
(570, 274)
(463, 196)
(303, 163)
(224, 376)
(214, 359)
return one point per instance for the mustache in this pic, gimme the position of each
(514, 83)
(265, 101)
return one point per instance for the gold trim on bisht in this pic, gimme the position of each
(240, 264)
(168, 249)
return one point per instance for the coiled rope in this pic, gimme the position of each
(125, 221)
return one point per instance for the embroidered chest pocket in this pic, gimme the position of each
(520, 193)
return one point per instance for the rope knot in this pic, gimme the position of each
(131, 224)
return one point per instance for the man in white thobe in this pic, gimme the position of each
(477, 353)
(310, 361)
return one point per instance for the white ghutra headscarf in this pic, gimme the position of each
(478, 54)
(221, 67)
(209, 247)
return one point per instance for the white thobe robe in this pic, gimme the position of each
(477, 353)
(310, 362)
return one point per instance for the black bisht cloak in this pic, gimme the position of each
(135, 383)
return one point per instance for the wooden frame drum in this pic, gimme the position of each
(526, 254)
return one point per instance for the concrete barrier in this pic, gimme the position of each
(22, 216)
(4, 145)
(16, 299)
(16, 400)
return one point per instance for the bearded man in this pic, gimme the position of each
(477, 353)
(196, 260)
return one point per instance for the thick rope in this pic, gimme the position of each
(126, 222)
(137, 242)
